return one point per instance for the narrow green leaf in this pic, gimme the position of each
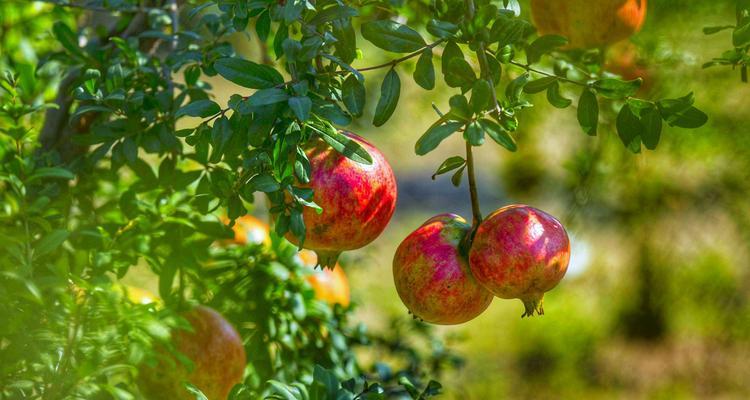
(629, 129)
(556, 98)
(612, 88)
(498, 134)
(474, 134)
(265, 97)
(390, 91)
(543, 45)
(436, 134)
(539, 85)
(442, 29)
(342, 143)
(392, 36)
(424, 74)
(50, 242)
(199, 108)
(301, 106)
(588, 111)
(247, 73)
(449, 165)
(50, 172)
(353, 95)
(333, 13)
(460, 73)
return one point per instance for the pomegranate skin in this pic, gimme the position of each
(433, 278)
(218, 357)
(358, 200)
(520, 252)
(589, 24)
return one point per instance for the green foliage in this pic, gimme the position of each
(739, 56)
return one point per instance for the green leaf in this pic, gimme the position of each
(424, 74)
(543, 45)
(264, 183)
(508, 30)
(588, 111)
(50, 172)
(459, 73)
(481, 96)
(515, 87)
(710, 30)
(265, 97)
(436, 134)
(50, 242)
(456, 178)
(449, 165)
(342, 143)
(450, 52)
(344, 65)
(690, 118)
(555, 98)
(498, 134)
(333, 13)
(67, 38)
(247, 73)
(392, 36)
(651, 121)
(474, 134)
(741, 35)
(539, 85)
(629, 129)
(612, 88)
(301, 106)
(199, 108)
(354, 96)
(442, 29)
(390, 91)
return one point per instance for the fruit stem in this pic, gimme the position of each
(475, 210)
(532, 306)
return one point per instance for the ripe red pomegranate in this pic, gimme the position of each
(357, 200)
(433, 278)
(218, 357)
(587, 23)
(520, 252)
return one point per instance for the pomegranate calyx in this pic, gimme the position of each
(327, 258)
(534, 305)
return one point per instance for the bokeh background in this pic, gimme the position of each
(655, 303)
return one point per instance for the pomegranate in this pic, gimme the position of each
(519, 252)
(433, 278)
(588, 23)
(218, 357)
(330, 285)
(623, 59)
(249, 230)
(357, 200)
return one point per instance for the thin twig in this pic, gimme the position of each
(540, 72)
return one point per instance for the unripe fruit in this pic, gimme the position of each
(357, 200)
(218, 357)
(330, 285)
(519, 252)
(250, 230)
(433, 278)
(589, 24)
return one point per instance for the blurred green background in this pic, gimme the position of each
(655, 303)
